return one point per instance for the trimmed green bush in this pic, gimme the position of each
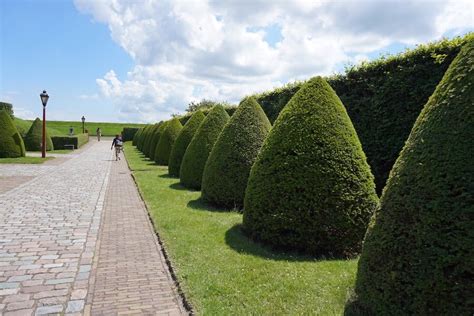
(149, 138)
(141, 141)
(383, 98)
(34, 137)
(166, 142)
(228, 166)
(136, 137)
(418, 255)
(76, 140)
(182, 142)
(311, 188)
(155, 138)
(8, 108)
(11, 143)
(196, 154)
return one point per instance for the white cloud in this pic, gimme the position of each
(187, 50)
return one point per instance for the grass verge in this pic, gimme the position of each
(25, 160)
(224, 273)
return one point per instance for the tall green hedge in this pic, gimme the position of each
(141, 140)
(34, 137)
(155, 138)
(166, 142)
(228, 166)
(383, 98)
(418, 256)
(182, 142)
(311, 188)
(196, 154)
(76, 140)
(128, 133)
(148, 137)
(8, 108)
(11, 143)
(136, 137)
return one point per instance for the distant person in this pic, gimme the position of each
(118, 144)
(99, 133)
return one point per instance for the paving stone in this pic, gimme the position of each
(45, 310)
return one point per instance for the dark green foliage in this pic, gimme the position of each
(182, 142)
(8, 108)
(228, 166)
(136, 137)
(11, 143)
(230, 109)
(166, 142)
(128, 133)
(76, 140)
(383, 98)
(141, 141)
(34, 137)
(311, 188)
(196, 154)
(418, 256)
(156, 138)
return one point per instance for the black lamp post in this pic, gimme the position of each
(44, 99)
(83, 120)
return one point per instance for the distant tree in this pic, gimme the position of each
(203, 105)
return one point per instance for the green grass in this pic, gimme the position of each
(57, 128)
(25, 160)
(224, 273)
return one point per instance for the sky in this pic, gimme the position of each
(143, 60)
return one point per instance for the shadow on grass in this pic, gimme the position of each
(166, 176)
(201, 205)
(178, 186)
(236, 239)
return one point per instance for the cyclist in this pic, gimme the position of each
(118, 144)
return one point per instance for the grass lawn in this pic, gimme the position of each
(25, 160)
(224, 273)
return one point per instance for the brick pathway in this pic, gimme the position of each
(49, 228)
(131, 276)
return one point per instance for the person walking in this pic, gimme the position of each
(99, 133)
(118, 144)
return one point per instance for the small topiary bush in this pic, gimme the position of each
(155, 138)
(418, 255)
(182, 142)
(136, 137)
(149, 136)
(196, 154)
(167, 139)
(311, 188)
(11, 143)
(34, 137)
(143, 137)
(228, 166)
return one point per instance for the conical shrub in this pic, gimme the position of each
(201, 145)
(182, 142)
(167, 139)
(418, 255)
(311, 188)
(34, 137)
(136, 137)
(228, 166)
(142, 137)
(155, 138)
(148, 138)
(11, 143)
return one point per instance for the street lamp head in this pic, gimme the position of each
(83, 119)
(44, 97)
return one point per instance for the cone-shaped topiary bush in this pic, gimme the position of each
(311, 188)
(148, 138)
(142, 137)
(136, 137)
(418, 255)
(228, 166)
(201, 145)
(11, 143)
(182, 142)
(34, 137)
(155, 138)
(167, 139)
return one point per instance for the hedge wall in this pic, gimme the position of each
(383, 98)
(128, 133)
(76, 140)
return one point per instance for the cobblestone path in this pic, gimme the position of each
(50, 223)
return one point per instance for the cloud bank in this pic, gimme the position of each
(223, 50)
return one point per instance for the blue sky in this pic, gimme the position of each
(141, 61)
